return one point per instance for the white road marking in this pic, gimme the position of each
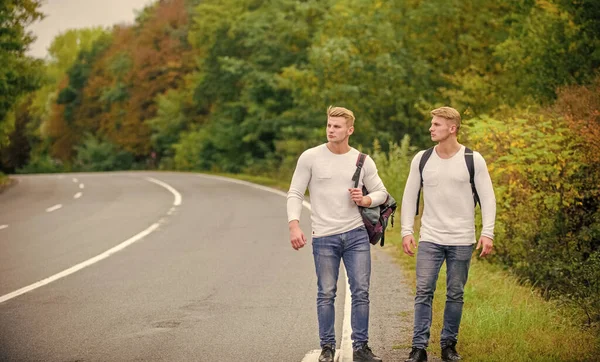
(314, 356)
(77, 195)
(81, 265)
(53, 208)
(345, 353)
(81, 186)
(75, 180)
(3, 227)
(97, 258)
(177, 195)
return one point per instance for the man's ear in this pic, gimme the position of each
(453, 128)
(350, 130)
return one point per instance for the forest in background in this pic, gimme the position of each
(242, 87)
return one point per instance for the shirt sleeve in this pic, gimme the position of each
(300, 180)
(373, 183)
(409, 198)
(485, 190)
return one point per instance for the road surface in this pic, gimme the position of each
(152, 266)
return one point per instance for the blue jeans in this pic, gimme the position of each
(354, 248)
(430, 258)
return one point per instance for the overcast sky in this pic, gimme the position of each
(62, 15)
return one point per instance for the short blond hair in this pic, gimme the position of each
(341, 112)
(448, 113)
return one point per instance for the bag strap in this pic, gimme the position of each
(359, 164)
(422, 163)
(471, 167)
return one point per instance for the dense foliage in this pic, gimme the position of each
(19, 74)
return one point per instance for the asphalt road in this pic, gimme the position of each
(197, 269)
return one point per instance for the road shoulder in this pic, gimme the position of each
(392, 307)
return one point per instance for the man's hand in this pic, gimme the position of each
(487, 243)
(297, 237)
(357, 196)
(408, 244)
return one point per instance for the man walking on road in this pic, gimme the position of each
(338, 231)
(447, 227)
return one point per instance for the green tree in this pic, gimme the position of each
(244, 46)
(62, 53)
(545, 50)
(16, 152)
(170, 121)
(19, 74)
(61, 126)
(98, 155)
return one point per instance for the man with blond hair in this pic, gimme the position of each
(447, 226)
(338, 231)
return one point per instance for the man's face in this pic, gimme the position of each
(441, 129)
(338, 130)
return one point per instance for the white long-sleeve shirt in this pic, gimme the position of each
(328, 177)
(448, 214)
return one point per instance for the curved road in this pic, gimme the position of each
(140, 266)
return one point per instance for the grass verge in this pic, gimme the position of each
(504, 320)
(4, 181)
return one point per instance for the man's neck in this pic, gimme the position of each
(448, 148)
(338, 148)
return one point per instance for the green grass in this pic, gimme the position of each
(4, 181)
(504, 320)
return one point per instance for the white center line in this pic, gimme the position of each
(177, 195)
(75, 180)
(77, 195)
(80, 266)
(55, 207)
(97, 258)
(3, 227)
(81, 186)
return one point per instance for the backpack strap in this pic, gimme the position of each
(359, 164)
(471, 167)
(422, 163)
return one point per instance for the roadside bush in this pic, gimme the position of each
(193, 151)
(547, 225)
(98, 155)
(42, 163)
(393, 167)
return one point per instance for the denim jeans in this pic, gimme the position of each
(354, 248)
(430, 257)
